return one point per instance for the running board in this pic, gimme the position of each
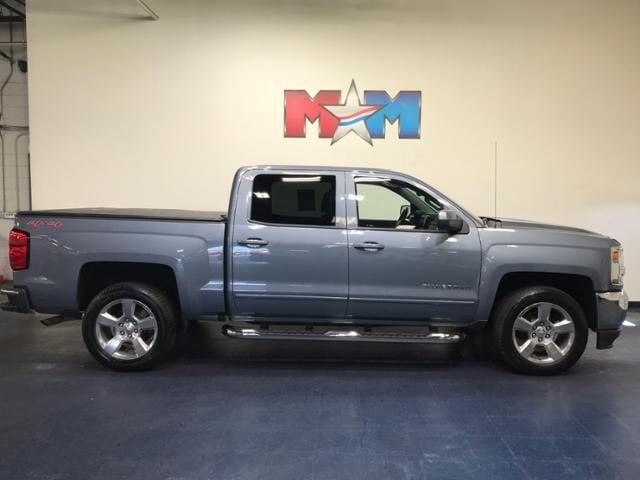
(342, 335)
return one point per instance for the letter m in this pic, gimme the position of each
(404, 107)
(300, 107)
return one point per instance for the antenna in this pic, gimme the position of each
(495, 179)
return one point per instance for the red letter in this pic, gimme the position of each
(299, 107)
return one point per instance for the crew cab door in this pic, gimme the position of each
(289, 246)
(401, 267)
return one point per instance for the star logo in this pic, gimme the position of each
(352, 115)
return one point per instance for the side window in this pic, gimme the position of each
(294, 199)
(376, 203)
(387, 203)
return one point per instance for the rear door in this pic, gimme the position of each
(289, 246)
(401, 266)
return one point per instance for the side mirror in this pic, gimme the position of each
(449, 221)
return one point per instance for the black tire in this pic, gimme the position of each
(160, 305)
(512, 305)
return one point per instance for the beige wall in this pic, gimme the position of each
(130, 112)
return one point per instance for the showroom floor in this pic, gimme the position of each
(237, 410)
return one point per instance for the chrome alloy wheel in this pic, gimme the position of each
(543, 333)
(126, 329)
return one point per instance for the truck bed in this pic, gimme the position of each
(132, 214)
(66, 245)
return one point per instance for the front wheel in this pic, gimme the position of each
(539, 330)
(129, 326)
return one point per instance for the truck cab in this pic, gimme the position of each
(349, 246)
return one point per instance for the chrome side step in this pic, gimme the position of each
(342, 335)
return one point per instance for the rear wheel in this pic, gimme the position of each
(130, 326)
(539, 330)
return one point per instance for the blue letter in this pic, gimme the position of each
(405, 108)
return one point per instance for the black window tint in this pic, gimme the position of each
(294, 199)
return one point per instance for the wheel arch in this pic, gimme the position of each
(580, 287)
(96, 276)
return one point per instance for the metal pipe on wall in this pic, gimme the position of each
(15, 153)
(2, 152)
(153, 15)
(4, 183)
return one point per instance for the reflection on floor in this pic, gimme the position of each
(230, 409)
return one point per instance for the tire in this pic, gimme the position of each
(130, 326)
(534, 346)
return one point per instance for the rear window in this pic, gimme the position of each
(294, 199)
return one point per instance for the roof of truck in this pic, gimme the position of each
(319, 167)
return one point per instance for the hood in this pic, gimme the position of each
(519, 224)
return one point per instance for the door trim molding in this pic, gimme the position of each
(411, 300)
(357, 299)
(286, 296)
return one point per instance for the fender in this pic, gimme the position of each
(500, 260)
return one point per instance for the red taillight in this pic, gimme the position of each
(18, 249)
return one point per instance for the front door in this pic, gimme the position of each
(290, 247)
(400, 265)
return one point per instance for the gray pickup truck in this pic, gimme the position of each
(320, 253)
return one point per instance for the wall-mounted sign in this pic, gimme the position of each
(365, 118)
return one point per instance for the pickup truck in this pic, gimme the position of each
(320, 253)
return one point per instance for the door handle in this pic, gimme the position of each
(253, 242)
(369, 246)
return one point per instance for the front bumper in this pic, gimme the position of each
(612, 310)
(18, 300)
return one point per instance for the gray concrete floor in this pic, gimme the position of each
(229, 409)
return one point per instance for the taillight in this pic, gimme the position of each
(18, 249)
